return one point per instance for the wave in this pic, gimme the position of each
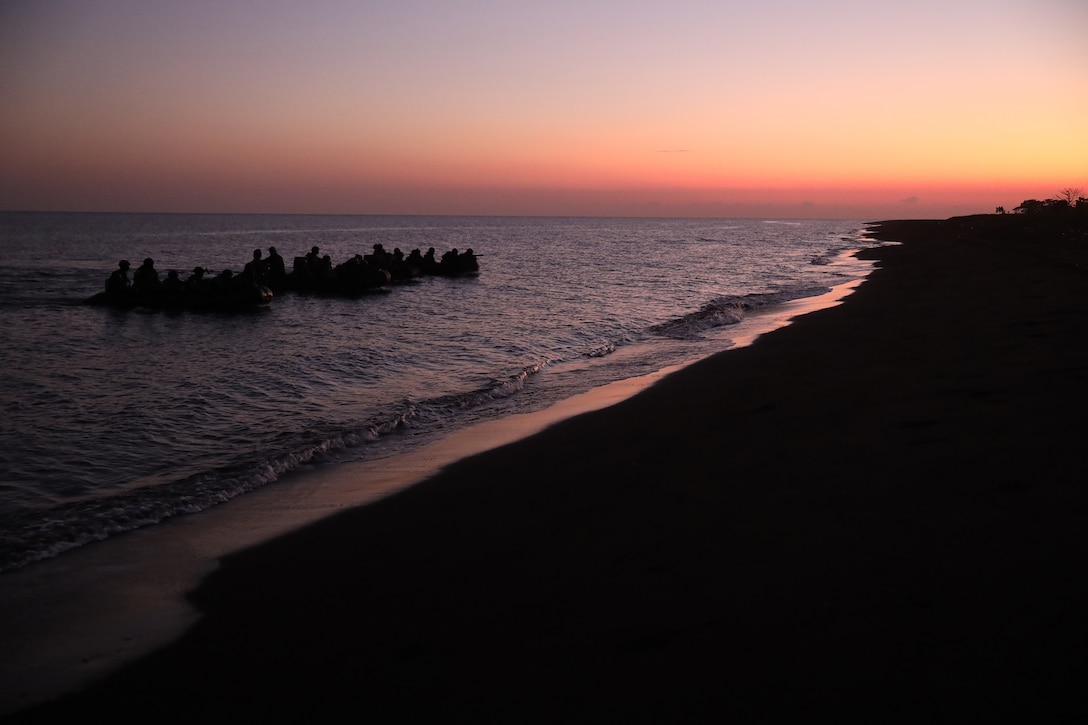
(730, 310)
(496, 390)
(28, 536)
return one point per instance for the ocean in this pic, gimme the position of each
(117, 419)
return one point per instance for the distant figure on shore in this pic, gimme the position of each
(117, 283)
(146, 278)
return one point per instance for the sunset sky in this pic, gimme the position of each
(775, 108)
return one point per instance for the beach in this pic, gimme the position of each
(873, 513)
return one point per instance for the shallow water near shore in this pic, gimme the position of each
(73, 619)
(115, 420)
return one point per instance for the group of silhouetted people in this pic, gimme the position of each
(263, 270)
(263, 275)
(316, 272)
(146, 280)
(197, 290)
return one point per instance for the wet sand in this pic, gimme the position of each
(874, 513)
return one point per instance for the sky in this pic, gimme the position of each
(776, 108)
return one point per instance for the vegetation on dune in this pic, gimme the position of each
(1058, 222)
(1068, 201)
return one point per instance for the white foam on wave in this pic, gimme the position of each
(730, 310)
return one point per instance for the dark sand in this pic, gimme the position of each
(877, 513)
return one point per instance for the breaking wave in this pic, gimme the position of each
(729, 310)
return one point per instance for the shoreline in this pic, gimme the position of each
(110, 602)
(872, 513)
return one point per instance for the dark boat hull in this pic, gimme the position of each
(225, 300)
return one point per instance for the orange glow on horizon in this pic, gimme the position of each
(701, 110)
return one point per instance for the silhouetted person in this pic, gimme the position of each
(467, 261)
(313, 262)
(448, 264)
(277, 272)
(379, 257)
(146, 279)
(173, 285)
(195, 282)
(256, 270)
(430, 264)
(223, 282)
(414, 263)
(117, 283)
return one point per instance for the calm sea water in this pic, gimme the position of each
(114, 419)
